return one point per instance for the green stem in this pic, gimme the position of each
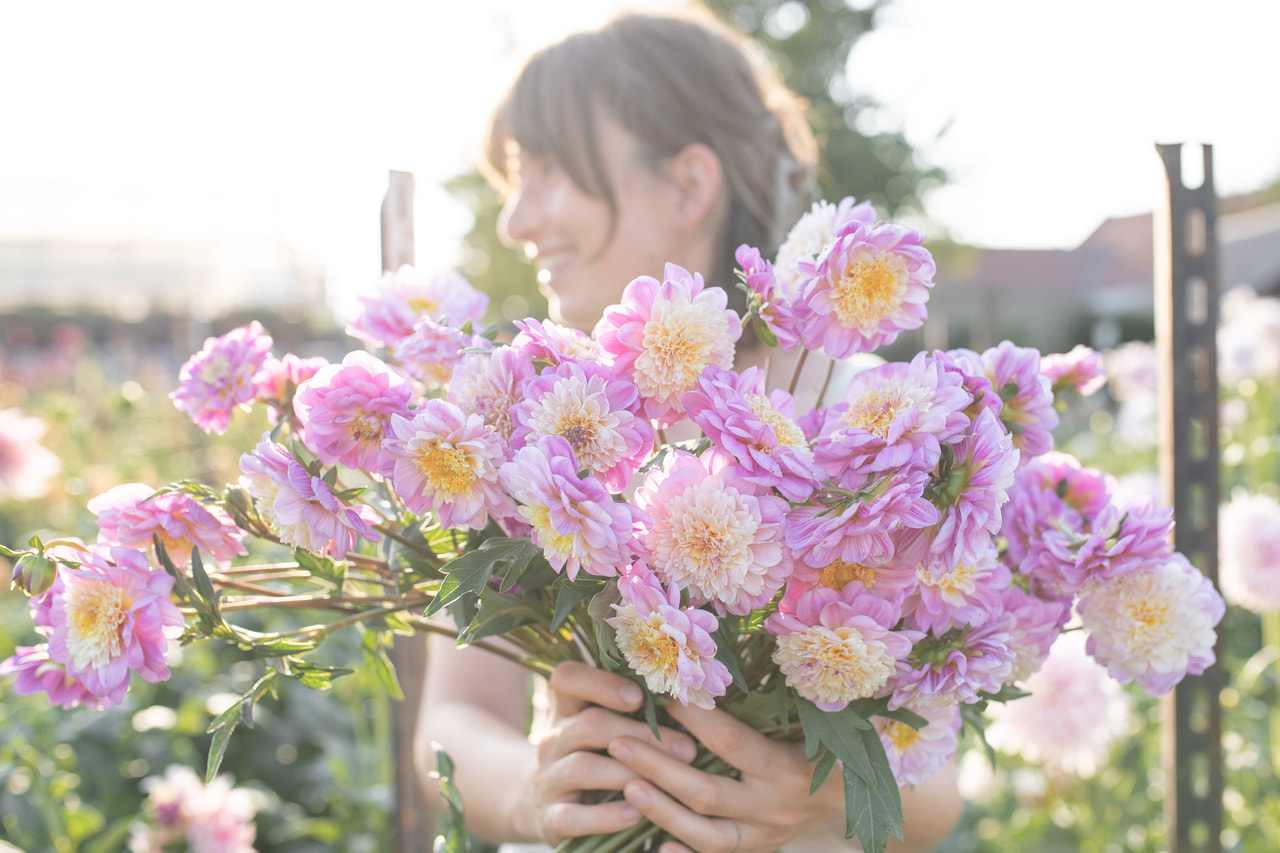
(412, 546)
(826, 381)
(795, 374)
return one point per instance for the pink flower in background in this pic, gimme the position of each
(575, 522)
(387, 316)
(814, 232)
(758, 431)
(778, 313)
(491, 384)
(220, 377)
(108, 618)
(893, 416)
(966, 595)
(862, 527)
(345, 408)
(1037, 622)
(713, 533)
(916, 754)
(212, 818)
(1249, 551)
(431, 351)
(301, 507)
(835, 647)
(278, 380)
(34, 672)
(1249, 336)
(866, 288)
(446, 462)
(1028, 413)
(544, 341)
(26, 466)
(1131, 370)
(958, 666)
(597, 413)
(1154, 625)
(670, 647)
(132, 513)
(664, 334)
(1081, 369)
(1071, 719)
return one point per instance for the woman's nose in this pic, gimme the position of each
(518, 222)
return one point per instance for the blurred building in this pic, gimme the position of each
(1099, 293)
(132, 279)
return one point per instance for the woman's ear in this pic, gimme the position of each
(699, 178)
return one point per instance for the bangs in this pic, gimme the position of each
(550, 112)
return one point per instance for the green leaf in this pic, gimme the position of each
(568, 596)
(225, 723)
(821, 770)
(725, 653)
(972, 717)
(766, 335)
(469, 573)
(322, 567)
(375, 654)
(454, 837)
(498, 614)
(873, 812)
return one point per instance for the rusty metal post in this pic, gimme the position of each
(1186, 299)
(413, 831)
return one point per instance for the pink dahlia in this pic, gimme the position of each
(575, 521)
(108, 618)
(593, 410)
(970, 486)
(1051, 492)
(212, 818)
(958, 667)
(968, 365)
(1037, 622)
(768, 300)
(1153, 625)
(664, 334)
(894, 415)
(300, 506)
(1028, 413)
(668, 646)
(1249, 550)
(491, 384)
(431, 351)
(860, 527)
(1119, 541)
(132, 513)
(446, 462)
(868, 286)
(553, 344)
(387, 316)
(916, 754)
(279, 378)
(758, 431)
(34, 672)
(813, 233)
(220, 377)
(714, 533)
(345, 408)
(26, 465)
(1081, 370)
(839, 646)
(891, 580)
(969, 594)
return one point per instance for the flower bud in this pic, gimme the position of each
(34, 573)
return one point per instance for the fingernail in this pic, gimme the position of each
(631, 694)
(620, 751)
(684, 749)
(629, 812)
(637, 796)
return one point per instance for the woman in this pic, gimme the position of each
(655, 139)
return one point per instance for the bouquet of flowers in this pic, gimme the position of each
(864, 575)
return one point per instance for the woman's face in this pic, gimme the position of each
(585, 258)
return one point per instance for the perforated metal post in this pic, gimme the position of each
(1186, 298)
(409, 654)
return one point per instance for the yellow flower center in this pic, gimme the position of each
(540, 519)
(788, 432)
(836, 575)
(901, 735)
(96, 614)
(367, 428)
(870, 289)
(447, 469)
(875, 410)
(680, 342)
(422, 305)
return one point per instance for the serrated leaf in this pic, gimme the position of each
(322, 567)
(498, 614)
(821, 770)
(840, 732)
(872, 812)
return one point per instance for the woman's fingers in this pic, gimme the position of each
(575, 685)
(594, 727)
(570, 820)
(750, 752)
(703, 793)
(703, 834)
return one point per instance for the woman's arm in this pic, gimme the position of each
(475, 705)
(769, 804)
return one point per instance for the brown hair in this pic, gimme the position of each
(670, 81)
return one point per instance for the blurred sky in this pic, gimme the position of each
(282, 118)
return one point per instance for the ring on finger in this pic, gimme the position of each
(737, 831)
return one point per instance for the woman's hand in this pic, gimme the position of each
(588, 705)
(767, 806)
